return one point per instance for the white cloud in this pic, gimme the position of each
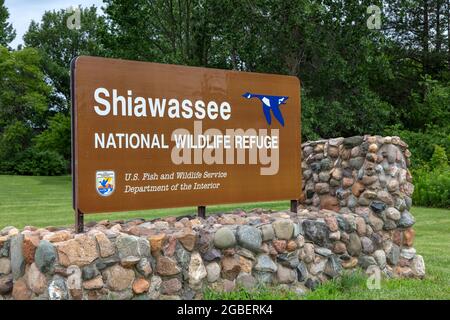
(21, 12)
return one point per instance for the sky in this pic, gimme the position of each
(21, 12)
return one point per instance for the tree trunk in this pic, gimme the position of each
(448, 33)
(438, 26)
(425, 37)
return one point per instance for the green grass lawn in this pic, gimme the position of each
(45, 201)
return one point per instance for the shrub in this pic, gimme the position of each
(432, 181)
(41, 163)
(422, 143)
(56, 137)
(439, 158)
(432, 188)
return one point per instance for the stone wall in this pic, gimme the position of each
(354, 214)
(366, 175)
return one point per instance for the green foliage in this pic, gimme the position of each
(17, 156)
(7, 33)
(432, 181)
(59, 45)
(322, 118)
(40, 163)
(57, 136)
(432, 188)
(430, 105)
(23, 110)
(14, 139)
(23, 90)
(439, 159)
(421, 143)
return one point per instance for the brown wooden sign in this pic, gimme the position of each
(148, 135)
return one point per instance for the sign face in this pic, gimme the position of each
(148, 135)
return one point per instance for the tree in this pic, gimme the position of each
(23, 90)
(7, 33)
(23, 104)
(59, 45)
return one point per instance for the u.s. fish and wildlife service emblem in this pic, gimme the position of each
(105, 182)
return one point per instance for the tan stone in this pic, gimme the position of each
(170, 246)
(246, 264)
(351, 263)
(20, 290)
(188, 239)
(156, 243)
(140, 286)
(339, 247)
(329, 203)
(35, 279)
(230, 268)
(357, 189)
(373, 148)
(105, 246)
(333, 151)
(361, 227)
(5, 266)
(166, 266)
(367, 180)
(95, 283)
(118, 278)
(80, 251)
(58, 236)
(195, 222)
(375, 222)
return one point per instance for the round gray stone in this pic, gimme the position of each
(393, 255)
(380, 257)
(265, 264)
(367, 245)
(406, 220)
(45, 256)
(249, 238)
(393, 214)
(224, 238)
(267, 232)
(284, 229)
(354, 245)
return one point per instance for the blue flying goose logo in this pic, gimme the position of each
(270, 103)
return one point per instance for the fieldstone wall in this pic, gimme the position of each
(354, 215)
(366, 175)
